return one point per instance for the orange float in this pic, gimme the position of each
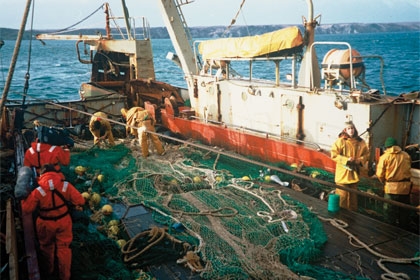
(340, 59)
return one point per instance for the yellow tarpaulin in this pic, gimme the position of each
(251, 46)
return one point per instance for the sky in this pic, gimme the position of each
(58, 14)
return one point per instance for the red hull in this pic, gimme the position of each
(236, 140)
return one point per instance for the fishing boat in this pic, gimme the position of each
(269, 120)
(235, 230)
(296, 116)
(295, 120)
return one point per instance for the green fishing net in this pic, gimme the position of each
(221, 221)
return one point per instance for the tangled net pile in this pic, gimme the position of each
(234, 227)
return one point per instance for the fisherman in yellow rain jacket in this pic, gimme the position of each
(139, 121)
(101, 128)
(393, 170)
(350, 153)
(130, 117)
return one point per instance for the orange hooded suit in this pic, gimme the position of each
(54, 223)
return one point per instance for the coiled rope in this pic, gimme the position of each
(156, 235)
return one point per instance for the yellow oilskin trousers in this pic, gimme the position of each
(144, 136)
(348, 200)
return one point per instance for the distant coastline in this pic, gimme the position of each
(238, 31)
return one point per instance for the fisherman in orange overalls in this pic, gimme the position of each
(54, 223)
(40, 154)
(139, 121)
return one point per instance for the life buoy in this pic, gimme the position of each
(340, 59)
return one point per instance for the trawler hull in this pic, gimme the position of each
(256, 145)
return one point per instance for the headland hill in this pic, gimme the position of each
(240, 30)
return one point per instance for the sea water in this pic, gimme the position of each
(56, 74)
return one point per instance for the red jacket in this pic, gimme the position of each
(40, 154)
(51, 205)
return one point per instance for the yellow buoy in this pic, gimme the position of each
(101, 177)
(121, 242)
(113, 223)
(315, 174)
(246, 178)
(114, 230)
(80, 170)
(197, 179)
(107, 209)
(267, 178)
(86, 195)
(95, 198)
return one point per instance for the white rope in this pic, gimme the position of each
(283, 215)
(341, 225)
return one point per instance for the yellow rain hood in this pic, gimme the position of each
(252, 46)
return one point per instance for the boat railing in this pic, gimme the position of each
(381, 70)
(214, 66)
(356, 80)
(336, 61)
(335, 70)
(135, 32)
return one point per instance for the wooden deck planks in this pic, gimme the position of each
(386, 240)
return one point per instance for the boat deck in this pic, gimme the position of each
(137, 219)
(339, 254)
(383, 239)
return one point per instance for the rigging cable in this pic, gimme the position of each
(27, 75)
(372, 124)
(234, 19)
(80, 21)
(1, 59)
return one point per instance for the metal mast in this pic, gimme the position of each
(179, 33)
